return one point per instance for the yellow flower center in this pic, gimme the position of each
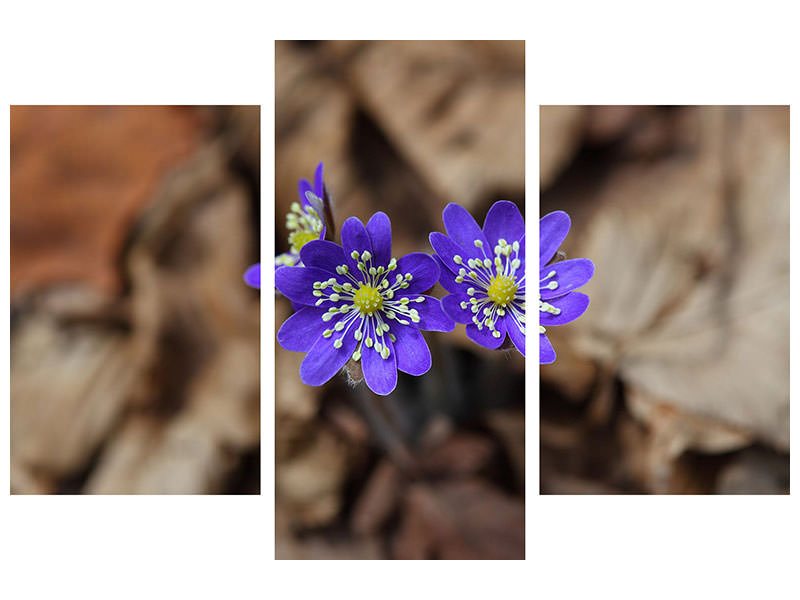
(502, 289)
(300, 238)
(367, 299)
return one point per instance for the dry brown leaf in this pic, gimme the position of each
(156, 393)
(573, 374)
(461, 520)
(442, 103)
(690, 296)
(80, 175)
(321, 545)
(509, 426)
(378, 500)
(460, 455)
(309, 484)
(755, 471)
(69, 386)
(560, 135)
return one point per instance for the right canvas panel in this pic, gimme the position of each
(664, 299)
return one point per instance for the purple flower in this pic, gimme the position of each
(558, 303)
(306, 221)
(252, 276)
(484, 271)
(359, 303)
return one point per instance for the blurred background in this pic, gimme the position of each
(436, 469)
(134, 340)
(676, 379)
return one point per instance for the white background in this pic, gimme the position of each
(223, 53)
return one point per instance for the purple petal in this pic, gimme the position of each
(299, 332)
(447, 249)
(324, 360)
(570, 274)
(516, 335)
(485, 338)
(553, 229)
(503, 221)
(322, 254)
(447, 279)
(413, 355)
(424, 272)
(321, 193)
(319, 189)
(354, 237)
(546, 353)
(379, 229)
(297, 283)
(379, 373)
(572, 306)
(252, 276)
(431, 315)
(451, 304)
(303, 186)
(463, 230)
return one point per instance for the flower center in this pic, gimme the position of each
(367, 299)
(298, 239)
(375, 302)
(304, 225)
(494, 291)
(502, 289)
